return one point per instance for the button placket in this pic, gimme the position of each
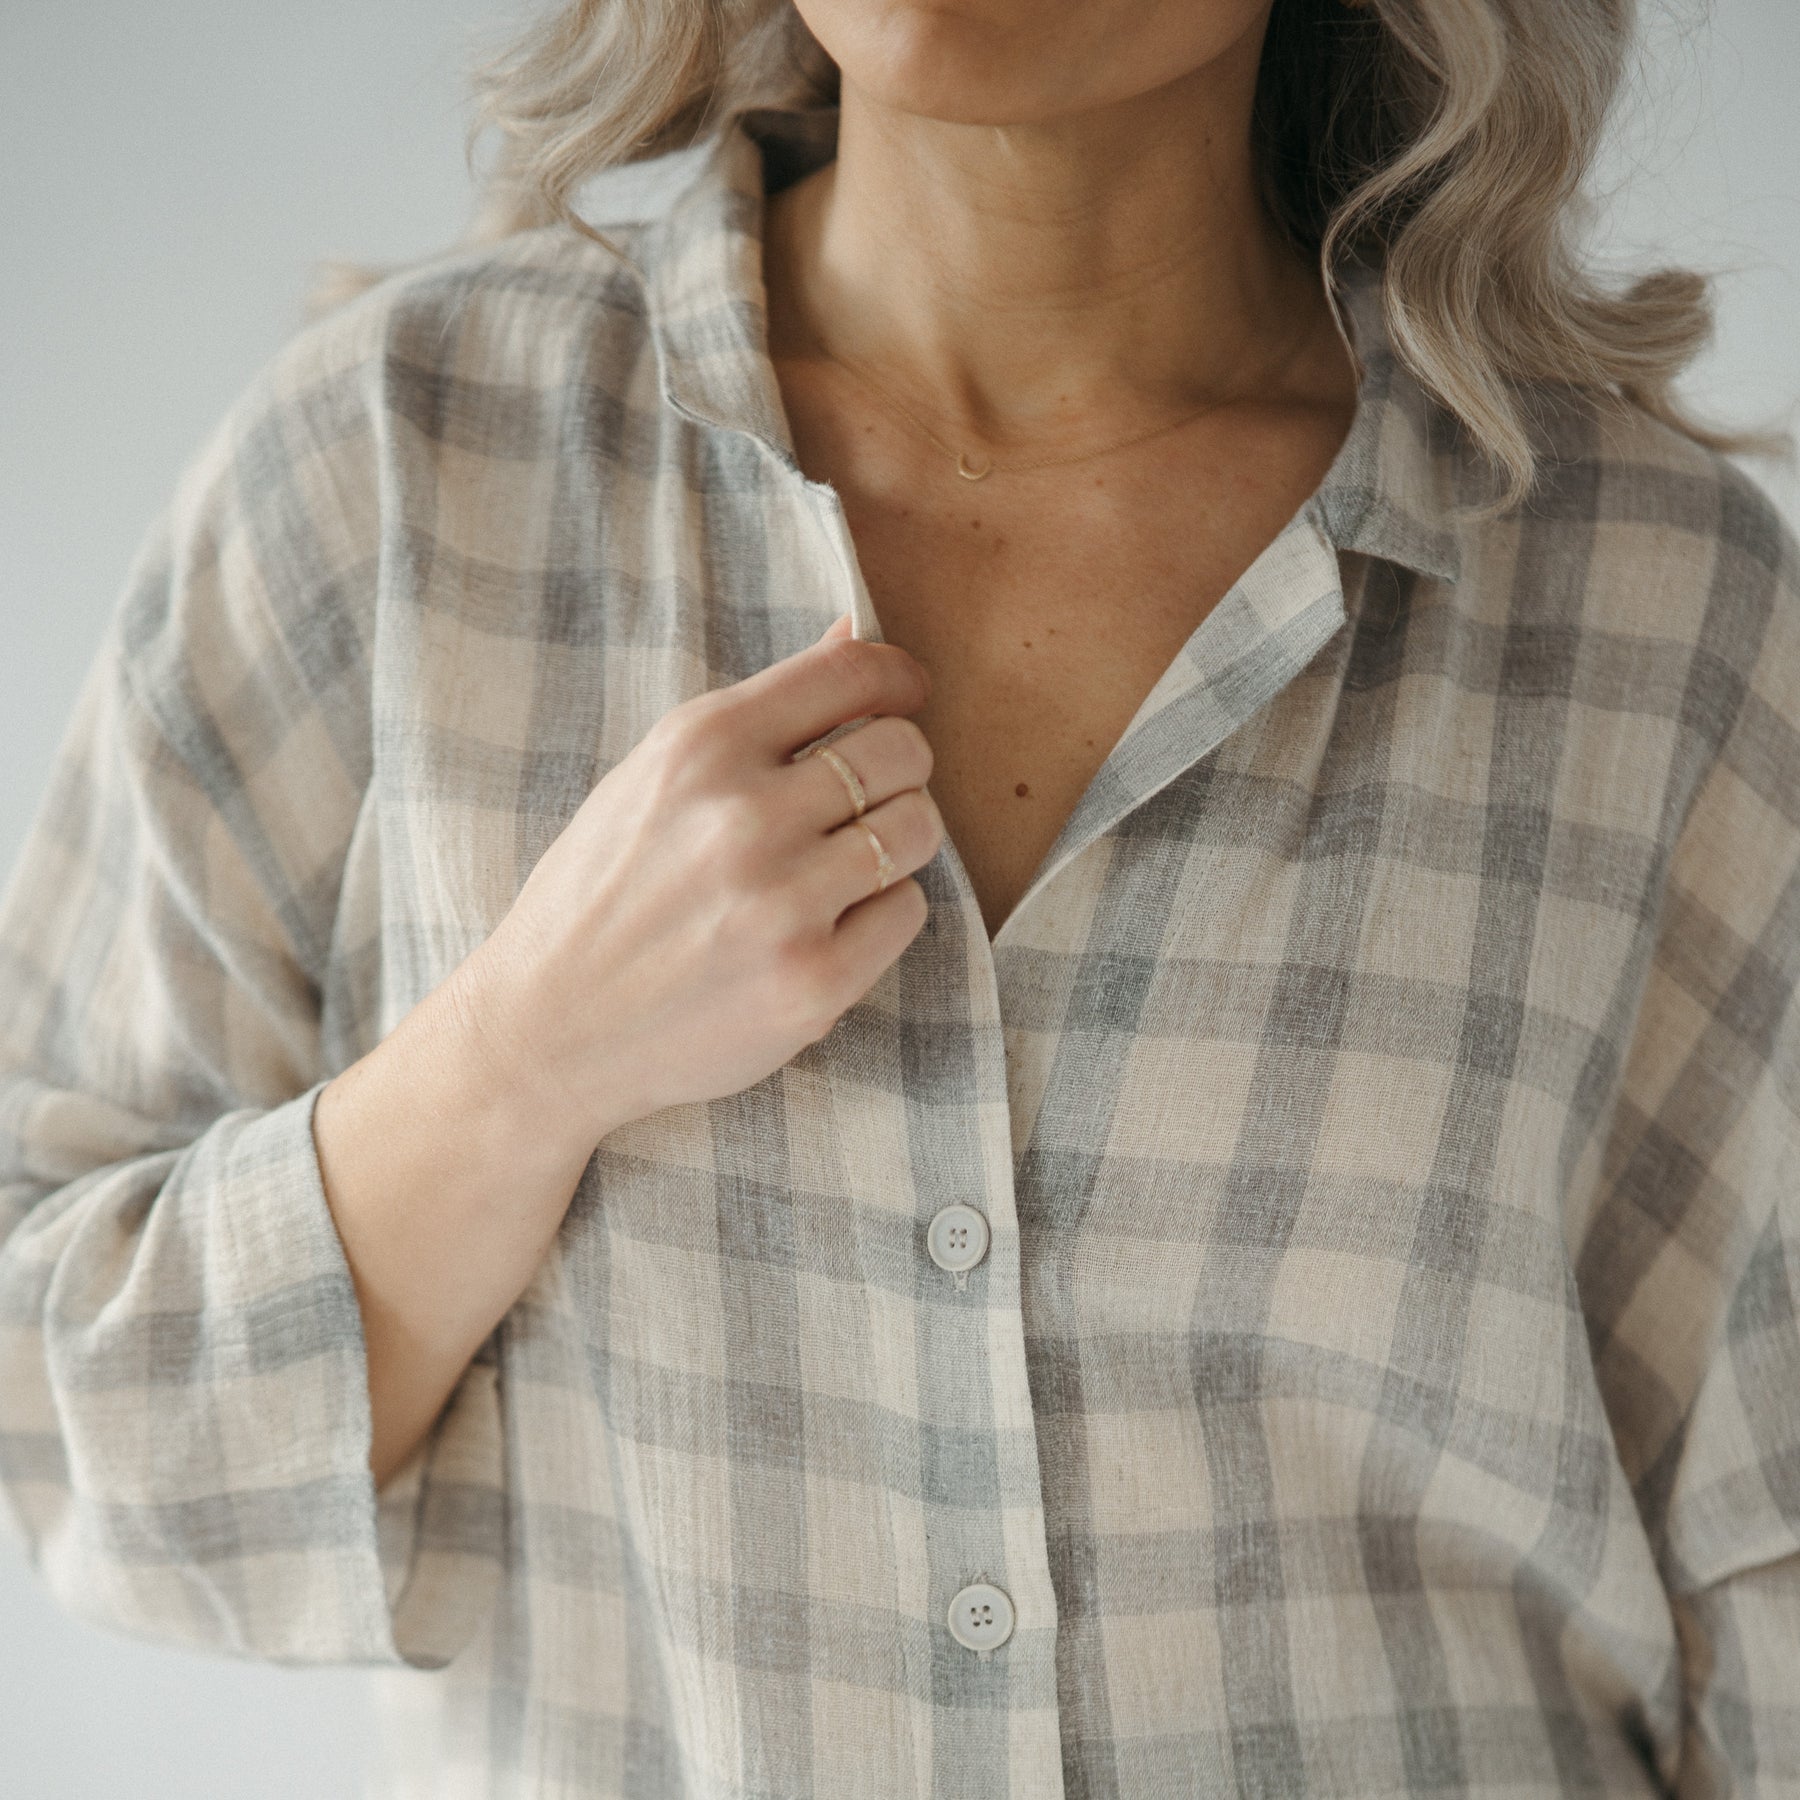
(972, 1369)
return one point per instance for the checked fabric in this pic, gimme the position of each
(1380, 1372)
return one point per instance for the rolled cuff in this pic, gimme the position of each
(206, 1432)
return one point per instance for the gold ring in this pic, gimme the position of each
(858, 798)
(884, 864)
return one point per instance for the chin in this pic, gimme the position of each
(1018, 62)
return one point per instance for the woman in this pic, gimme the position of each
(1206, 1205)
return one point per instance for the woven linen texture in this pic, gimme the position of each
(1384, 1376)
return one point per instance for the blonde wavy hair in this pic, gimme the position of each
(1447, 140)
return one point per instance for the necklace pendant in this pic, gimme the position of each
(968, 474)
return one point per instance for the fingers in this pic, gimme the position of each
(804, 696)
(846, 869)
(873, 933)
(887, 756)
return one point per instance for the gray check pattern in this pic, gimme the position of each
(1384, 1378)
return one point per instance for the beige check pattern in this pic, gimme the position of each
(1384, 1374)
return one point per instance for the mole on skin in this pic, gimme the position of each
(1021, 790)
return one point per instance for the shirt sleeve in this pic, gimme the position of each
(184, 1407)
(1690, 1268)
(1731, 1529)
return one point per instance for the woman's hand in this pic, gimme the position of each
(704, 915)
(709, 910)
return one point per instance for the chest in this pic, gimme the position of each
(1041, 647)
(1046, 615)
(1046, 603)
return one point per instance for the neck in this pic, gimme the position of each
(1110, 264)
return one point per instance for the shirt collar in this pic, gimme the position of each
(1390, 493)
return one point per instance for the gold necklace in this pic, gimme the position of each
(988, 465)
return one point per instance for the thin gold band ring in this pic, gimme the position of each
(858, 798)
(884, 864)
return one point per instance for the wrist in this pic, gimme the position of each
(488, 1026)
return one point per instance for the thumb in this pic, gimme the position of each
(838, 628)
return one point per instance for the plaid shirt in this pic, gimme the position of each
(1383, 1373)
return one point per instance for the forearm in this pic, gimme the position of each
(447, 1184)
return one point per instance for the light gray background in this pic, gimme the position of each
(171, 173)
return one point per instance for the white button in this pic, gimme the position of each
(957, 1238)
(981, 1617)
